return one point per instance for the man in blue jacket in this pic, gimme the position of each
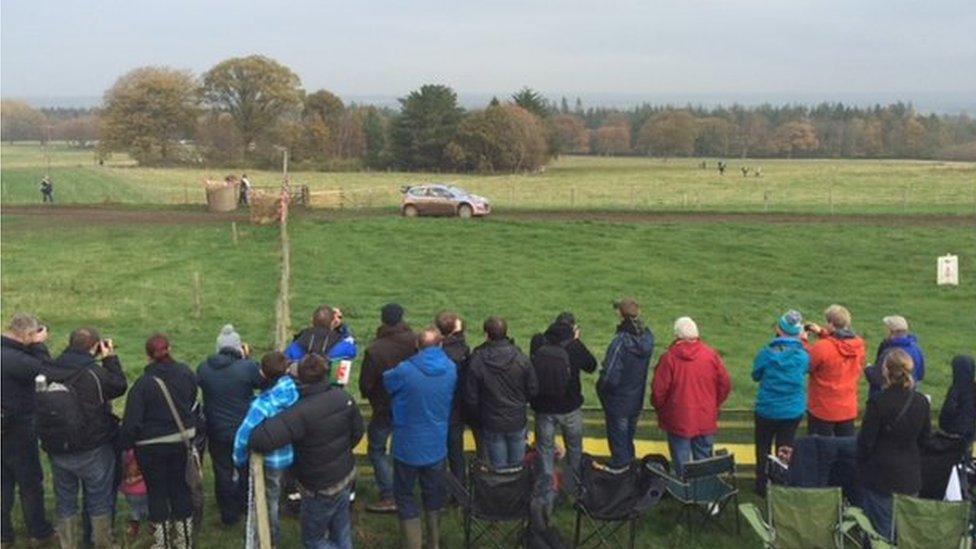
(421, 389)
(623, 380)
(897, 336)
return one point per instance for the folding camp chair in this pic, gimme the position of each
(706, 485)
(495, 498)
(920, 523)
(610, 499)
(798, 518)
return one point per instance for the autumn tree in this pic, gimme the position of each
(428, 120)
(500, 138)
(217, 138)
(612, 138)
(571, 134)
(796, 136)
(256, 91)
(714, 136)
(671, 133)
(21, 122)
(375, 130)
(147, 112)
(79, 131)
(322, 113)
(751, 132)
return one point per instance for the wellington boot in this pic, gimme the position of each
(102, 535)
(411, 534)
(69, 532)
(433, 529)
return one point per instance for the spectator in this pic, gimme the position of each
(896, 337)
(958, 415)
(623, 379)
(133, 488)
(23, 356)
(558, 356)
(500, 381)
(281, 396)
(83, 454)
(896, 426)
(325, 333)
(421, 389)
(324, 426)
(47, 190)
(780, 368)
(394, 343)
(689, 386)
(456, 348)
(150, 427)
(244, 192)
(836, 362)
(227, 380)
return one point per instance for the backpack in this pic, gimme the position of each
(61, 417)
(551, 363)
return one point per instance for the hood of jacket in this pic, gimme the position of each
(686, 349)
(847, 343)
(68, 363)
(640, 343)
(432, 362)
(284, 393)
(223, 359)
(903, 342)
(558, 333)
(499, 354)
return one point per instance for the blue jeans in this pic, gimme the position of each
(325, 521)
(685, 449)
(432, 490)
(505, 450)
(571, 427)
(620, 437)
(377, 441)
(877, 507)
(92, 472)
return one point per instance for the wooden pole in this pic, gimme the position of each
(260, 501)
(197, 297)
(233, 231)
(765, 201)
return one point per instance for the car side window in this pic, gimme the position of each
(441, 193)
(416, 192)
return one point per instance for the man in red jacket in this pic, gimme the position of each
(690, 384)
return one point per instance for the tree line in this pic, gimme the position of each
(245, 111)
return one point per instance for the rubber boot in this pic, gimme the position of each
(161, 536)
(102, 532)
(433, 529)
(411, 534)
(69, 532)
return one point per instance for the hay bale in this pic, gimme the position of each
(265, 207)
(221, 197)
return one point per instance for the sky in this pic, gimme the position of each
(804, 49)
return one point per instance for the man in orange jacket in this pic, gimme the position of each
(836, 364)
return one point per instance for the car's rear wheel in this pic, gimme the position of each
(410, 211)
(465, 211)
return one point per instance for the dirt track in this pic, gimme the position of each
(120, 215)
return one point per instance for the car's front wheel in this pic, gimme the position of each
(465, 211)
(410, 211)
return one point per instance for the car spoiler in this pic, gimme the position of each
(405, 188)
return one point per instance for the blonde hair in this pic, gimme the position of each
(898, 368)
(838, 316)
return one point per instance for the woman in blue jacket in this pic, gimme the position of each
(781, 369)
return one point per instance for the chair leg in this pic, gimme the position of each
(576, 535)
(735, 511)
(633, 532)
(467, 530)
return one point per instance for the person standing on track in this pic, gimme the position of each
(47, 190)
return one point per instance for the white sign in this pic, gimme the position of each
(948, 270)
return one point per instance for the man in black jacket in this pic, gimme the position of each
(89, 465)
(324, 426)
(499, 383)
(558, 355)
(456, 348)
(394, 343)
(23, 356)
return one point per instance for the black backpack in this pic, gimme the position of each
(551, 363)
(61, 417)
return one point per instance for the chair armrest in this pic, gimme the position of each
(755, 519)
(856, 516)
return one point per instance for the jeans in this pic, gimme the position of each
(505, 450)
(22, 468)
(138, 507)
(377, 441)
(620, 437)
(684, 449)
(230, 483)
(782, 431)
(91, 471)
(163, 469)
(432, 489)
(824, 428)
(571, 427)
(325, 521)
(455, 450)
(877, 507)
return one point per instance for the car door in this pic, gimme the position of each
(442, 201)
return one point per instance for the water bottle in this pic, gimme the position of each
(40, 383)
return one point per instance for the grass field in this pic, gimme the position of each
(812, 186)
(733, 277)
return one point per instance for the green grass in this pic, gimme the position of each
(809, 186)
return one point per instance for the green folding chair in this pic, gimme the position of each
(920, 524)
(798, 517)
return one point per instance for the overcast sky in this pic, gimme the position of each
(679, 47)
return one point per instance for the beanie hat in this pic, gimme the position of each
(229, 339)
(685, 328)
(391, 314)
(791, 323)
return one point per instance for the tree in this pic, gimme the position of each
(532, 101)
(21, 122)
(500, 138)
(255, 90)
(78, 131)
(671, 133)
(217, 138)
(428, 120)
(796, 136)
(147, 112)
(610, 140)
(571, 134)
(374, 132)
(322, 113)
(714, 136)
(751, 132)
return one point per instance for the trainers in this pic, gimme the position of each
(382, 506)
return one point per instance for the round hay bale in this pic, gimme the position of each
(265, 207)
(222, 199)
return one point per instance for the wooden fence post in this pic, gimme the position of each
(233, 231)
(260, 501)
(765, 201)
(197, 297)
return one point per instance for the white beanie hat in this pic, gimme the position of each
(229, 339)
(685, 328)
